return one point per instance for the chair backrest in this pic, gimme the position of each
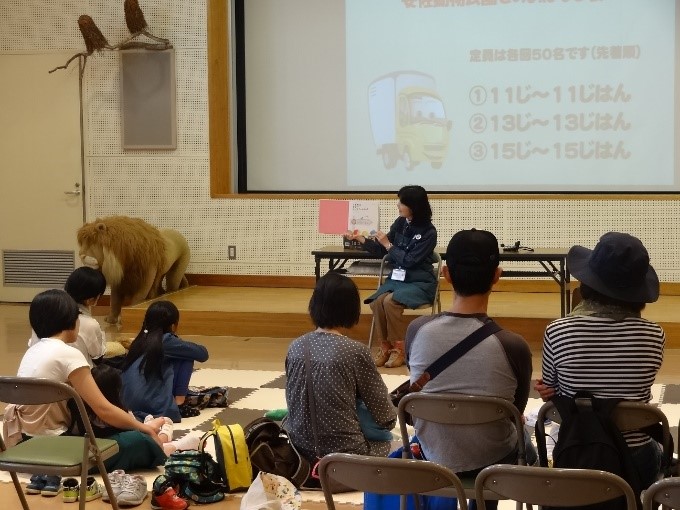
(665, 492)
(457, 409)
(552, 486)
(34, 391)
(384, 475)
(627, 415)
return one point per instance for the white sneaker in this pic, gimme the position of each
(133, 490)
(116, 479)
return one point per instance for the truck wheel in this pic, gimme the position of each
(389, 159)
(408, 162)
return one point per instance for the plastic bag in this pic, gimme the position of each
(271, 492)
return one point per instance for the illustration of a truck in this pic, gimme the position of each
(408, 119)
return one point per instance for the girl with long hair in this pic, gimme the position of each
(158, 366)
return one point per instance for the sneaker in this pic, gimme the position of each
(116, 480)
(52, 486)
(94, 489)
(71, 490)
(133, 490)
(169, 500)
(396, 358)
(381, 358)
(164, 496)
(36, 484)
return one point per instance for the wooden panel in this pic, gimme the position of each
(219, 114)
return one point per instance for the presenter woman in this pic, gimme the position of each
(409, 243)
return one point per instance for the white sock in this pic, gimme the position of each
(186, 443)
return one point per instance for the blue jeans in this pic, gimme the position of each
(647, 459)
(180, 383)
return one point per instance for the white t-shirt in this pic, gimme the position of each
(91, 339)
(55, 360)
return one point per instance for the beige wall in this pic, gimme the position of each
(273, 236)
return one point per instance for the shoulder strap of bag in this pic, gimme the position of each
(310, 397)
(458, 350)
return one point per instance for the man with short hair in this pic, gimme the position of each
(499, 366)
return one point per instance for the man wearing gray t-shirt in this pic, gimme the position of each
(499, 366)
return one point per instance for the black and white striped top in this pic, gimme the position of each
(610, 359)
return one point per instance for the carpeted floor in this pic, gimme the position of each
(253, 392)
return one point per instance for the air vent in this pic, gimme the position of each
(37, 268)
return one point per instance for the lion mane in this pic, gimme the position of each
(134, 256)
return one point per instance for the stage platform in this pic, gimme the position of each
(282, 312)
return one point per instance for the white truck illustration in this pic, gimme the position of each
(408, 119)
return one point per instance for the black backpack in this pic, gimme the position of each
(272, 451)
(589, 439)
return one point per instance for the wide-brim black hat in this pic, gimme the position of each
(617, 267)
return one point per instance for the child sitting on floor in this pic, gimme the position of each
(85, 285)
(110, 384)
(158, 367)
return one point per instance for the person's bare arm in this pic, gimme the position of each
(81, 379)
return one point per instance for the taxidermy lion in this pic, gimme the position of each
(134, 257)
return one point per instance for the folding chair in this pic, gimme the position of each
(456, 409)
(53, 455)
(436, 305)
(665, 492)
(384, 475)
(627, 415)
(551, 486)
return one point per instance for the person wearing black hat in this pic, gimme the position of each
(499, 365)
(604, 346)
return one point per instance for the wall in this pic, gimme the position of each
(272, 236)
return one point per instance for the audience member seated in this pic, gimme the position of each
(330, 371)
(604, 346)
(86, 285)
(158, 366)
(110, 383)
(54, 317)
(499, 366)
(409, 243)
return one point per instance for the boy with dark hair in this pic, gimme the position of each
(85, 285)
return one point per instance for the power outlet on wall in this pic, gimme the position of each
(231, 252)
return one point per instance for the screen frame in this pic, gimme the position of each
(228, 16)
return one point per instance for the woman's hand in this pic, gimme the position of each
(546, 392)
(149, 431)
(354, 237)
(381, 237)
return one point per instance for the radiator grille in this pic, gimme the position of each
(37, 268)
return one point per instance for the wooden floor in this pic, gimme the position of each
(282, 312)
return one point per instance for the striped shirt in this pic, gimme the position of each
(608, 358)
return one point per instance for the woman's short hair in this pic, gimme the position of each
(52, 312)
(85, 283)
(335, 302)
(415, 198)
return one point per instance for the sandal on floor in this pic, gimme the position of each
(188, 412)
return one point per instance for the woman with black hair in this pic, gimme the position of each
(157, 369)
(326, 372)
(412, 283)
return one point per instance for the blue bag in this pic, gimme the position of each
(371, 430)
(391, 501)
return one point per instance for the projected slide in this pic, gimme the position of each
(460, 95)
(511, 95)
